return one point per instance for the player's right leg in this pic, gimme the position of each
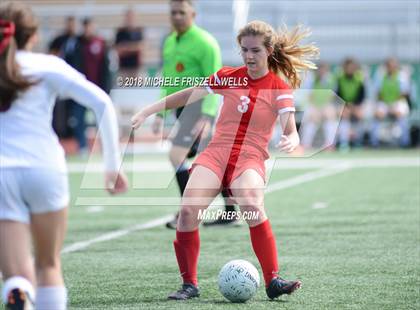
(48, 231)
(203, 186)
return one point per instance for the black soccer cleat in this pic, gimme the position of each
(279, 286)
(187, 291)
(18, 300)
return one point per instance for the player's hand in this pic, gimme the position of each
(116, 182)
(287, 144)
(157, 125)
(138, 119)
(202, 127)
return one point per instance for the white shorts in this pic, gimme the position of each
(400, 106)
(24, 191)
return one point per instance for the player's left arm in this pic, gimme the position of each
(290, 137)
(284, 106)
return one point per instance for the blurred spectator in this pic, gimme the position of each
(64, 46)
(392, 91)
(128, 46)
(94, 56)
(91, 59)
(321, 108)
(351, 88)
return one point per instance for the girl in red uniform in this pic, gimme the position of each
(235, 157)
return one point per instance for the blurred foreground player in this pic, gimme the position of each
(34, 192)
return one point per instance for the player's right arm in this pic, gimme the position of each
(183, 97)
(174, 101)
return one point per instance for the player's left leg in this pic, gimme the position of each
(248, 191)
(48, 231)
(16, 264)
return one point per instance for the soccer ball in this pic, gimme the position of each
(238, 280)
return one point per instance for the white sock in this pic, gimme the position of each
(20, 283)
(51, 298)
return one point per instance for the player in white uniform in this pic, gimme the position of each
(34, 190)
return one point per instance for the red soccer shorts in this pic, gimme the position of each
(228, 164)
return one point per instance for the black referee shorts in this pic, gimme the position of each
(187, 117)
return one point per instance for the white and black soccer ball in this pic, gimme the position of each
(238, 280)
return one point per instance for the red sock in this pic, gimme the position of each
(264, 245)
(187, 250)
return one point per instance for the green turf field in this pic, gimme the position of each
(359, 249)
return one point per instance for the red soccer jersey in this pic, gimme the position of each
(248, 114)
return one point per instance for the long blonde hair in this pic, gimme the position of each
(288, 57)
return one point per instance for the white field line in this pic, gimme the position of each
(307, 177)
(319, 205)
(95, 209)
(77, 246)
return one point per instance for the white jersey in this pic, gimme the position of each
(27, 138)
